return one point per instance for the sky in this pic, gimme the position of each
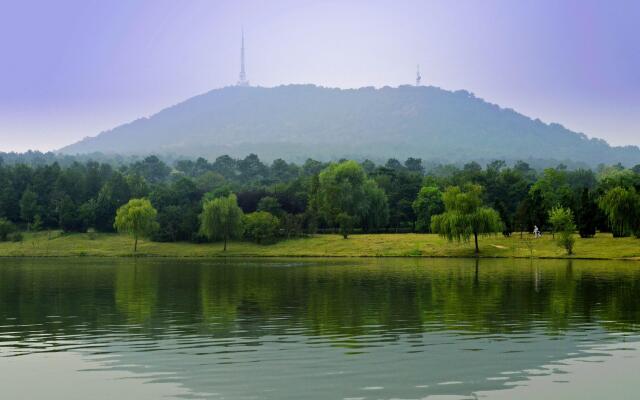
(73, 68)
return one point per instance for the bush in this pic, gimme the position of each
(562, 220)
(91, 234)
(15, 237)
(261, 227)
(566, 241)
(199, 238)
(6, 228)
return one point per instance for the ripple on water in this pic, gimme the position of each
(238, 330)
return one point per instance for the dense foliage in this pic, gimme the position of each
(261, 227)
(346, 197)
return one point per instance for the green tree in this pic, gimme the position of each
(465, 215)
(551, 190)
(426, 205)
(151, 169)
(261, 227)
(345, 224)
(226, 166)
(221, 219)
(87, 213)
(271, 205)
(341, 190)
(376, 211)
(252, 169)
(504, 190)
(137, 218)
(113, 194)
(345, 189)
(292, 224)
(28, 207)
(612, 177)
(587, 214)
(209, 181)
(621, 207)
(176, 223)
(414, 165)
(6, 227)
(69, 219)
(283, 172)
(137, 185)
(561, 218)
(401, 187)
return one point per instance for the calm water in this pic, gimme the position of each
(318, 329)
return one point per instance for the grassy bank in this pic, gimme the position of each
(56, 244)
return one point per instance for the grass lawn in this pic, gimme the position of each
(56, 244)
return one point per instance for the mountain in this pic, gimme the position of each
(299, 121)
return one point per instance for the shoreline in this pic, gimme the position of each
(241, 256)
(405, 245)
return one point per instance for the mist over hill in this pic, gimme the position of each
(295, 122)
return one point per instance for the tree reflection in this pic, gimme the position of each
(342, 298)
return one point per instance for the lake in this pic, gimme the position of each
(318, 329)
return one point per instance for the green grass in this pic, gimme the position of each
(56, 244)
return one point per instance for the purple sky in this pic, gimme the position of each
(72, 68)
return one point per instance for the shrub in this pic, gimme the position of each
(15, 237)
(562, 220)
(199, 238)
(566, 240)
(91, 234)
(6, 228)
(261, 227)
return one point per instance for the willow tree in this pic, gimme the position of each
(621, 207)
(137, 218)
(221, 219)
(465, 215)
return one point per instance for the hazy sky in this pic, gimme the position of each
(72, 68)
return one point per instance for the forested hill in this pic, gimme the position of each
(299, 121)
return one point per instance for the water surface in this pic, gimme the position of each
(318, 329)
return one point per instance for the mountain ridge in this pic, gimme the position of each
(300, 121)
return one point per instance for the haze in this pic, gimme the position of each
(73, 68)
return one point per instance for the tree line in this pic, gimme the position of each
(287, 200)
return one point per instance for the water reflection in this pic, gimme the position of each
(278, 329)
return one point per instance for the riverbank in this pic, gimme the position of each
(56, 244)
